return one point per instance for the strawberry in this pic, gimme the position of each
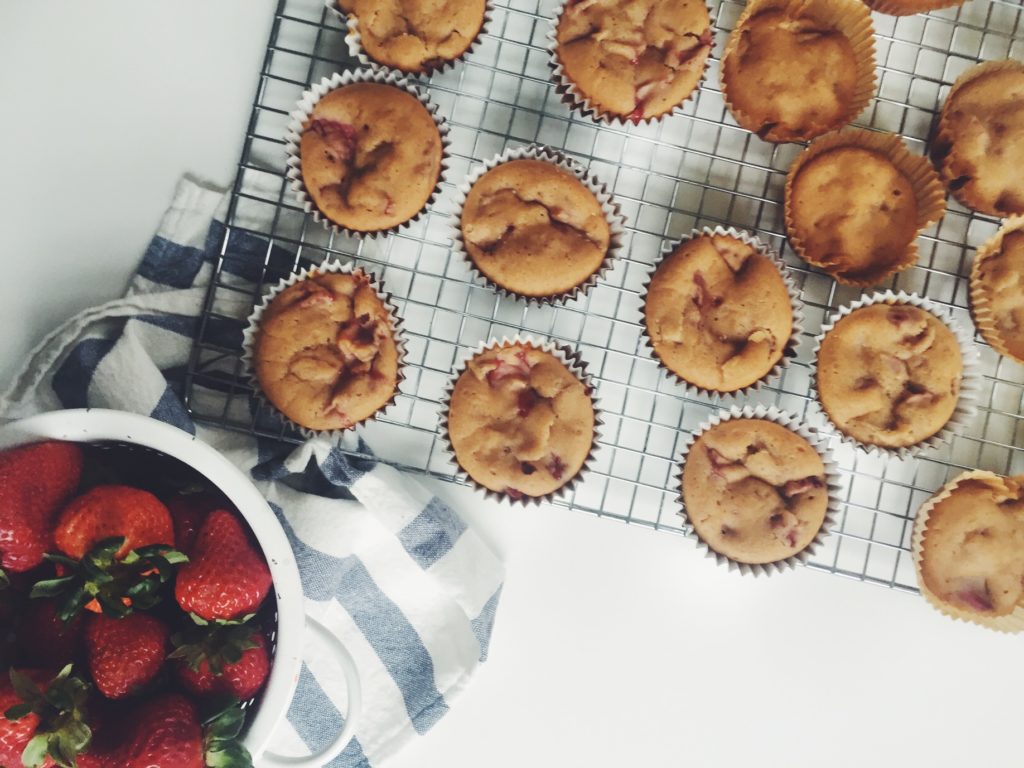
(226, 578)
(44, 638)
(107, 511)
(35, 480)
(227, 660)
(163, 733)
(44, 720)
(188, 511)
(124, 654)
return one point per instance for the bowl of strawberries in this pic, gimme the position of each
(151, 611)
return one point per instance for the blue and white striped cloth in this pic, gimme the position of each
(393, 571)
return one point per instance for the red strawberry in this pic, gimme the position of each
(163, 733)
(188, 511)
(241, 679)
(15, 736)
(124, 654)
(42, 716)
(34, 481)
(46, 640)
(107, 511)
(226, 577)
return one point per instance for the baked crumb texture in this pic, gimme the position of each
(633, 59)
(520, 423)
(325, 352)
(997, 290)
(889, 375)
(718, 313)
(754, 491)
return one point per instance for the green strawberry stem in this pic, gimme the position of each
(5, 582)
(62, 733)
(218, 644)
(221, 729)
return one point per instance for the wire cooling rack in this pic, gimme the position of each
(686, 171)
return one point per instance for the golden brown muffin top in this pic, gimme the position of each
(718, 313)
(889, 375)
(371, 156)
(634, 58)
(972, 556)
(789, 76)
(324, 353)
(416, 35)
(981, 142)
(855, 212)
(534, 228)
(1000, 280)
(521, 423)
(754, 490)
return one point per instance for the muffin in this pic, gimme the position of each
(416, 35)
(718, 313)
(370, 156)
(889, 375)
(979, 143)
(855, 202)
(970, 552)
(534, 229)
(632, 59)
(909, 7)
(520, 423)
(997, 290)
(754, 491)
(793, 70)
(324, 350)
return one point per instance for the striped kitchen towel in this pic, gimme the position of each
(392, 570)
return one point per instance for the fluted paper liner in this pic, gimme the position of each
(576, 365)
(943, 145)
(980, 308)
(354, 41)
(612, 212)
(297, 124)
(970, 378)
(1012, 622)
(928, 192)
(833, 485)
(251, 333)
(905, 8)
(789, 351)
(851, 18)
(576, 100)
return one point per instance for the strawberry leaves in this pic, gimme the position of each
(5, 580)
(62, 733)
(221, 729)
(219, 644)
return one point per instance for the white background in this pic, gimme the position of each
(614, 646)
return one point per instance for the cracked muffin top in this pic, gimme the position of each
(521, 423)
(998, 280)
(634, 59)
(754, 490)
(980, 141)
(718, 313)
(324, 353)
(972, 556)
(534, 228)
(371, 156)
(416, 35)
(889, 374)
(789, 76)
(855, 213)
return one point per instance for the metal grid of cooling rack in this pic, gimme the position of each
(686, 171)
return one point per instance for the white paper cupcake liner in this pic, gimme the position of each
(298, 120)
(1011, 623)
(575, 100)
(970, 380)
(574, 362)
(354, 41)
(611, 210)
(981, 309)
(251, 332)
(788, 353)
(833, 483)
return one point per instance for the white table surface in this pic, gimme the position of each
(614, 646)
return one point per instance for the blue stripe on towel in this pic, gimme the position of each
(432, 533)
(171, 264)
(316, 720)
(170, 410)
(484, 623)
(71, 381)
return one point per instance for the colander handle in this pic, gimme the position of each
(336, 747)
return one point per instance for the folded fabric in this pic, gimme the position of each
(393, 571)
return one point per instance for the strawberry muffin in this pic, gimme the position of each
(534, 229)
(718, 313)
(633, 59)
(324, 351)
(520, 422)
(889, 375)
(997, 290)
(416, 35)
(910, 7)
(370, 156)
(754, 491)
